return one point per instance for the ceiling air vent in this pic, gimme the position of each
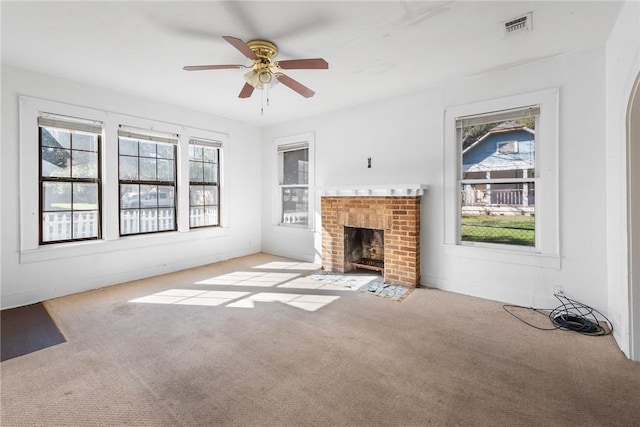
(517, 25)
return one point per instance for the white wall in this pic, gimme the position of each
(622, 68)
(404, 137)
(36, 275)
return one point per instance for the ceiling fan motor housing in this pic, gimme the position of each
(264, 49)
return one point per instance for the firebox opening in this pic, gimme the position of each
(363, 249)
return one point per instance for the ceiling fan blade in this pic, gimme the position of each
(242, 47)
(246, 91)
(295, 85)
(211, 67)
(304, 64)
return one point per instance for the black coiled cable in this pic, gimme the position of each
(570, 315)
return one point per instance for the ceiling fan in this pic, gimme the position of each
(265, 72)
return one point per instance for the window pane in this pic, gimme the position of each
(147, 169)
(55, 138)
(128, 168)
(210, 172)
(166, 196)
(85, 164)
(56, 226)
(210, 154)
(128, 146)
(195, 152)
(85, 141)
(165, 170)
(166, 219)
(56, 196)
(148, 220)
(295, 206)
(56, 162)
(85, 196)
(196, 172)
(129, 196)
(147, 149)
(148, 196)
(165, 151)
(210, 195)
(203, 217)
(498, 213)
(85, 224)
(196, 195)
(296, 167)
(129, 221)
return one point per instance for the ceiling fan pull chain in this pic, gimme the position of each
(268, 86)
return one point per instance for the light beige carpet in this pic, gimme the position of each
(250, 342)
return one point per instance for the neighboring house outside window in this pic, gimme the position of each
(204, 183)
(498, 175)
(147, 177)
(70, 186)
(293, 179)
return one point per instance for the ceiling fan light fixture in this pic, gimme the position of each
(252, 78)
(264, 76)
(260, 79)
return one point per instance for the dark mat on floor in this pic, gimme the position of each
(27, 329)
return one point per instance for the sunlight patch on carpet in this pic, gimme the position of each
(235, 299)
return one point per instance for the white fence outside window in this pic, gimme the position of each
(59, 225)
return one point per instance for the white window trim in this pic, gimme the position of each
(31, 251)
(547, 250)
(309, 140)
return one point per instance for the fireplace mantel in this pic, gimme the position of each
(401, 190)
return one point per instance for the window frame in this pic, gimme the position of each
(547, 250)
(72, 125)
(217, 145)
(287, 144)
(156, 138)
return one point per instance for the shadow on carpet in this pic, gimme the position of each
(27, 329)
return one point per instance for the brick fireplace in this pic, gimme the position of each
(393, 210)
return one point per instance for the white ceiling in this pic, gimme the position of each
(375, 49)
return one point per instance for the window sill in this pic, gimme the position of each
(98, 247)
(504, 256)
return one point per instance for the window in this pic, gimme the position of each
(293, 178)
(509, 147)
(204, 183)
(534, 184)
(70, 188)
(147, 176)
(497, 177)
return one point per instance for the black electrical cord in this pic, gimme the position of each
(570, 315)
